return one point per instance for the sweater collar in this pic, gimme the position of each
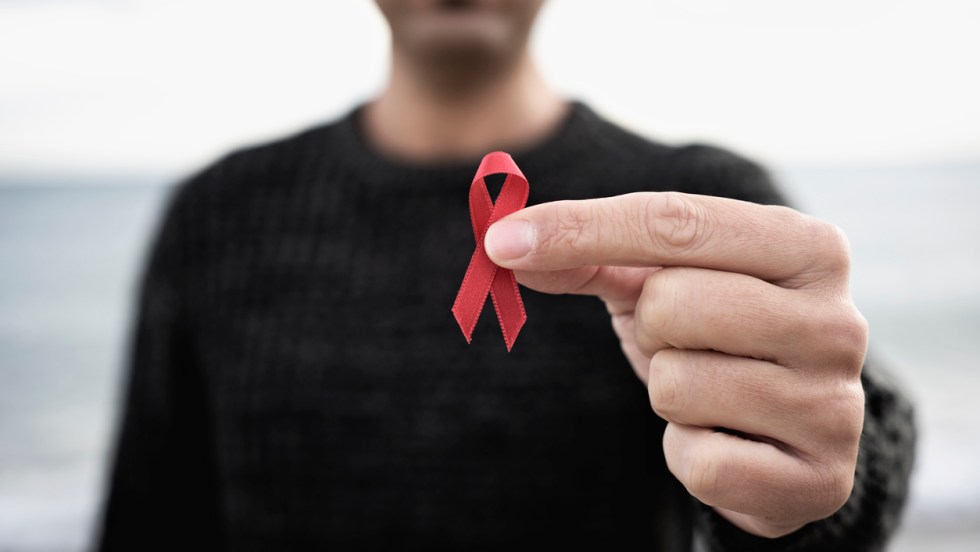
(376, 168)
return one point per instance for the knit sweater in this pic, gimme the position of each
(296, 379)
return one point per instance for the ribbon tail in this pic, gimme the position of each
(507, 302)
(472, 295)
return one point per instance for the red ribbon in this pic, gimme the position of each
(482, 275)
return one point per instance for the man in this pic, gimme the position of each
(297, 380)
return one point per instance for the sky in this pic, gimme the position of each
(102, 86)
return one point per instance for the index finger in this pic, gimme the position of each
(772, 243)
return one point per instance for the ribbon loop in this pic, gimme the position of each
(482, 275)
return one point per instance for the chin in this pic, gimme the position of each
(470, 32)
(436, 29)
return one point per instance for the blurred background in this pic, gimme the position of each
(867, 111)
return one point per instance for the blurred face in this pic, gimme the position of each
(466, 31)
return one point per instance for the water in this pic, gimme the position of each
(68, 257)
(70, 253)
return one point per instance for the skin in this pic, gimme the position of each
(737, 317)
(461, 82)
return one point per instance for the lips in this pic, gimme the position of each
(456, 4)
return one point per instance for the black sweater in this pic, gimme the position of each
(297, 380)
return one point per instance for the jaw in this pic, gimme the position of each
(453, 34)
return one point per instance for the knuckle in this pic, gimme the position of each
(644, 314)
(834, 411)
(844, 415)
(703, 477)
(835, 247)
(845, 332)
(858, 327)
(655, 310)
(666, 396)
(674, 222)
(831, 488)
(569, 228)
(639, 222)
(854, 332)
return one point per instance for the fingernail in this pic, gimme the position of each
(507, 240)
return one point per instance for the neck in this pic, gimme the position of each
(425, 118)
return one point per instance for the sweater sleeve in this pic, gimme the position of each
(161, 485)
(887, 446)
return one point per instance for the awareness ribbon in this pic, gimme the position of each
(482, 275)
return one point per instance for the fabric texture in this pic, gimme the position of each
(296, 379)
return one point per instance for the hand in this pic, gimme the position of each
(738, 318)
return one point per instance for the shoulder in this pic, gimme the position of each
(245, 187)
(253, 173)
(697, 168)
(260, 164)
(619, 147)
(711, 170)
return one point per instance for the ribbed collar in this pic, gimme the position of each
(372, 167)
